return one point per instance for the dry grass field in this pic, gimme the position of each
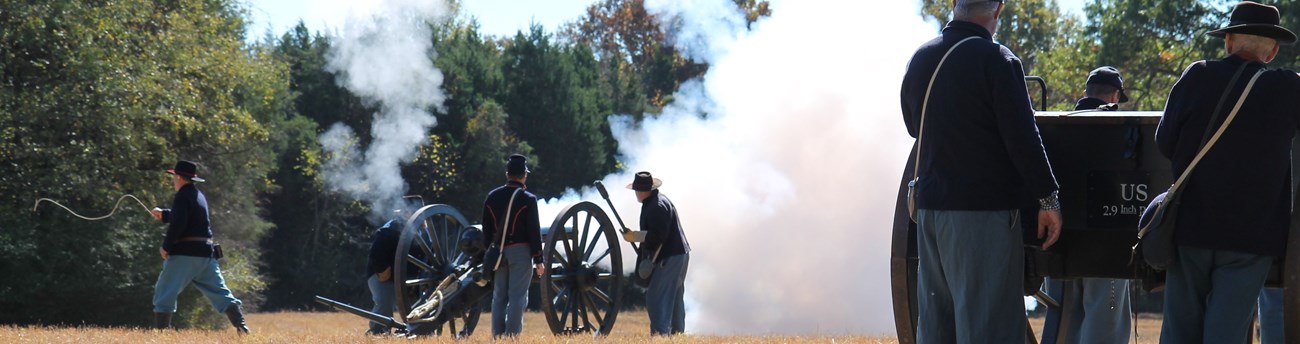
(337, 327)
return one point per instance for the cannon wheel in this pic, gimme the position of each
(582, 285)
(427, 252)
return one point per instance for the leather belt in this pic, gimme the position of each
(195, 239)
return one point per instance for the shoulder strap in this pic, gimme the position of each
(1217, 133)
(1214, 116)
(925, 102)
(502, 229)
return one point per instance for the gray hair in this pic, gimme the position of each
(1259, 45)
(975, 8)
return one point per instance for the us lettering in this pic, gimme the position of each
(1133, 192)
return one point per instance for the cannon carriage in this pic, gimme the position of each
(1108, 167)
(441, 278)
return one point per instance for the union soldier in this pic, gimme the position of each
(1236, 205)
(665, 243)
(379, 272)
(523, 242)
(1098, 307)
(1104, 90)
(979, 160)
(188, 253)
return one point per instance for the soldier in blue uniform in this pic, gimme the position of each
(188, 253)
(1236, 205)
(1104, 90)
(379, 272)
(522, 248)
(665, 242)
(1095, 310)
(979, 161)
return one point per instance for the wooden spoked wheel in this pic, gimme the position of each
(583, 282)
(427, 253)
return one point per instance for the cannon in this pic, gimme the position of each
(441, 278)
(1107, 165)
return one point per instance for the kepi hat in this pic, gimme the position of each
(1257, 19)
(644, 182)
(1107, 75)
(187, 169)
(517, 164)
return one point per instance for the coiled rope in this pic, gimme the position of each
(110, 213)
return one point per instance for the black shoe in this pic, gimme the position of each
(162, 320)
(236, 317)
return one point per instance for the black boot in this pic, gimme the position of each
(236, 317)
(162, 320)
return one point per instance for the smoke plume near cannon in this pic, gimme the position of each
(384, 54)
(784, 161)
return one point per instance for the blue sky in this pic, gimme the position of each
(498, 17)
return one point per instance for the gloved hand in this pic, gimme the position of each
(634, 236)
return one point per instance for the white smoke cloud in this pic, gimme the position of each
(384, 54)
(787, 187)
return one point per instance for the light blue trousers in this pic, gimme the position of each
(1099, 311)
(179, 272)
(666, 297)
(382, 293)
(1271, 328)
(970, 277)
(1209, 295)
(510, 291)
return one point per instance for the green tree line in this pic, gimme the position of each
(97, 98)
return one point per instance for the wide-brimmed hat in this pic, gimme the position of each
(516, 165)
(644, 182)
(1257, 19)
(1107, 75)
(187, 169)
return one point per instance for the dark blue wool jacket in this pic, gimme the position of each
(981, 149)
(523, 229)
(1239, 196)
(383, 247)
(659, 219)
(187, 218)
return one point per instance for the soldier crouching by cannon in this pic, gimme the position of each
(441, 270)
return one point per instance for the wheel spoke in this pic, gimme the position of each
(571, 304)
(582, 308)
(605, 276)
(595, 239)
(563, 260)
(449, 241)
(428, 251)
(602, 256)
(595, 312)
(436, 237)
(600, 295)
(586, 228)
(568, 247)
(419, 263)
(564, 313)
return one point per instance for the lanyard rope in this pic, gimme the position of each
(110, 213)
